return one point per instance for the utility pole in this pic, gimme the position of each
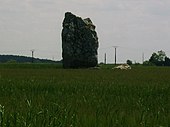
(115, 47)
(143, 57)
(105, 58)
(32, 53)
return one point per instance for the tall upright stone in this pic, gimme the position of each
(79, 42)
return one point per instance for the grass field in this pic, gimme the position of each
(48, 96)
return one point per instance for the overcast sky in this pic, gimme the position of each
(136, 26)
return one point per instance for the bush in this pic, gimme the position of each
(148, 63)
(129, 62)
(12, 61)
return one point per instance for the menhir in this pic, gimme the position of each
(79, 42)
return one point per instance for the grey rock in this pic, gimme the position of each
(79, 42)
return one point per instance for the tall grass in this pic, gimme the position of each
(84, 98)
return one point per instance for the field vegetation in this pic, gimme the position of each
(49, 96)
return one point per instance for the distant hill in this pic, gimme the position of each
(23, 59)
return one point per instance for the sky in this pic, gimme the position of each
(137, 27)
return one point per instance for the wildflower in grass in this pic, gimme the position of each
(1, 109)
(29, 103)
(1, 114)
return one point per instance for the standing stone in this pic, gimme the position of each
(79, 42)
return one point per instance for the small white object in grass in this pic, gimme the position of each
(123, 67)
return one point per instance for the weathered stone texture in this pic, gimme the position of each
(79, 42)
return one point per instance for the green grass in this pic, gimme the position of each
(55, 97)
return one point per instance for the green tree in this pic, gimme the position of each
(158, 58)
(167, 61)
(129, 62)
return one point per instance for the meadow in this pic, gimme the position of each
(49, 96)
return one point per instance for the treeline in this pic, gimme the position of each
(159, 59)
(23, 59)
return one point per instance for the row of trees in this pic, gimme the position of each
(159, 59)
(22, 59)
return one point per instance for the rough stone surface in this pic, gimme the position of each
(79, 42)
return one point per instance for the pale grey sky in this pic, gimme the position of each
(136, 26)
